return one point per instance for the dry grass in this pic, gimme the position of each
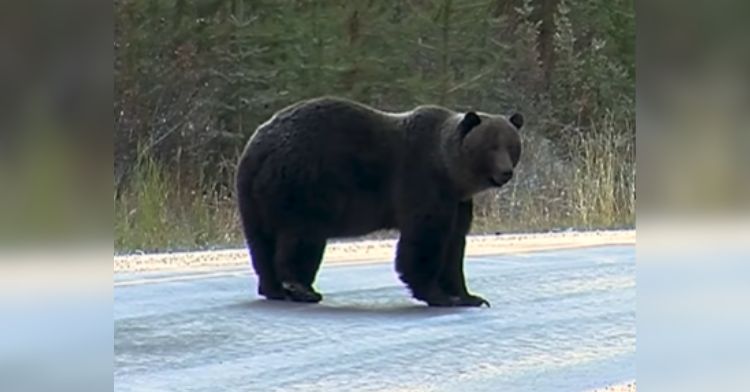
(596, 190)
(153, 213)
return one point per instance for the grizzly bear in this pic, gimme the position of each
(330, 168)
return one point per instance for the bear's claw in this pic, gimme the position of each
(470, 300)
(299, 293)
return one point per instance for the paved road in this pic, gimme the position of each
(560, 321)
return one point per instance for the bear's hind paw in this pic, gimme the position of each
(297, 292)
(272, 292)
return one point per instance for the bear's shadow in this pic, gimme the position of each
(350, 310)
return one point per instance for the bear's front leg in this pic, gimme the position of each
(419, 254)
(452, 278)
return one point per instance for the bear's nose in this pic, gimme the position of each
(505, 176)
(502, 177)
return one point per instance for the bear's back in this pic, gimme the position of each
(330, 127)
(330, 161)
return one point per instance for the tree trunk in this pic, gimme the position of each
(546, 38)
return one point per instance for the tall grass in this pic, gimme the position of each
(154, 212)
(604, 180)
(596, 189)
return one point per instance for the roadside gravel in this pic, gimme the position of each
(347, 252)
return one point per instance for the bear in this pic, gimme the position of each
(329, 167)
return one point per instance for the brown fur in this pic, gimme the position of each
(329, 167)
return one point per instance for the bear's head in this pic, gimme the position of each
(488, 150)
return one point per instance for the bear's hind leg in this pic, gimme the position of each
(260, 239)
(307, 269)
(262, 249)
(298, 258)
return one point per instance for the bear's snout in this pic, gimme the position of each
(500, 178)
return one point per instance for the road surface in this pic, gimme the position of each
(560, 321)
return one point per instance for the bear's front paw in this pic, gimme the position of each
(470, 300)
(440, 301)
(433, 297)
(298, 292)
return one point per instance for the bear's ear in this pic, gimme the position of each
(468, 123)
(517, 120)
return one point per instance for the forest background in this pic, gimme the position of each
(194, 78)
